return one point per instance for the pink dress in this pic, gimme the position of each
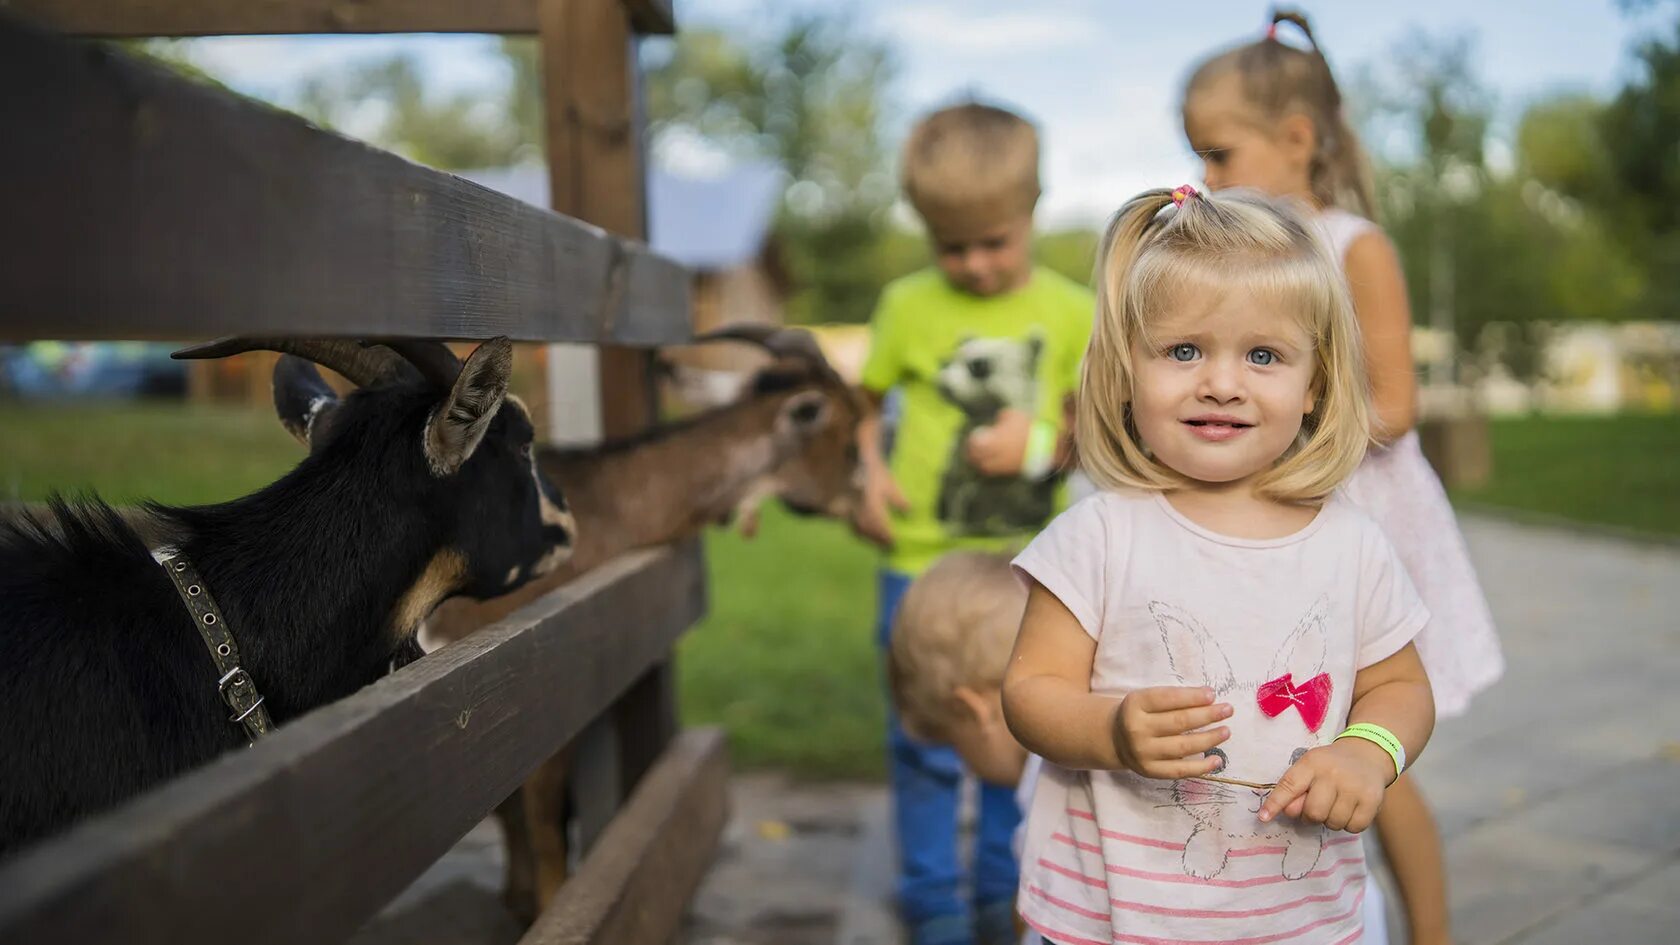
(1397, 487)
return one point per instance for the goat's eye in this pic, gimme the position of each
(525, 450)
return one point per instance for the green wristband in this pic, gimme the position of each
(1382, 738)
(1041, 450)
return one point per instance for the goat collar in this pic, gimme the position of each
(236, 686)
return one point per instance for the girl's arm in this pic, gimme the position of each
(1341, 784)
(1395, 694)
(1385, 321)
(1051, 710)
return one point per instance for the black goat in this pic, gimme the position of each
(417, 487)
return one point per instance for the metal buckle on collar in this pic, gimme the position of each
(231, 681)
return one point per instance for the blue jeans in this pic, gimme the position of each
(925, 782)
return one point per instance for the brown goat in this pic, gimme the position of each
(791, 435)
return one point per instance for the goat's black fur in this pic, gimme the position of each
(106, 686)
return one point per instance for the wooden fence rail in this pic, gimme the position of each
(307, 834)
(139, 204)
(146, 205)
(248, 17)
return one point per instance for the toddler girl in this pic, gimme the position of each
(1215, 659)
(1269, 116)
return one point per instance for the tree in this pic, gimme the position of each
(811, 98)
(1494, 255)
(1641, 131)
(1447, 108)
(465, 130)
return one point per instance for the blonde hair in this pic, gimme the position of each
(1237, 239)
(955, 627)
(1277, 81)
(970, 167)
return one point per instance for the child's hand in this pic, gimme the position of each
(1339, 785)
(880, 491)
(1155, 731)
(1000, 449)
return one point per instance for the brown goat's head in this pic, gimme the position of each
(816, 426)
(441, 437)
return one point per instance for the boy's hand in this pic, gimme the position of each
(880, 491)
(1155, 731)
(1000, 449)
(1339, 785)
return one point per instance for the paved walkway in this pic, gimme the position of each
(1558, 795)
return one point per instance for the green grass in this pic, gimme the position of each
(1622, 471)
(786, 660)
(127, 451)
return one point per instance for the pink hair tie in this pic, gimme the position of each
(1183, 193)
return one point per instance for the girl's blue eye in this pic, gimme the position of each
(1262, 357)
(1183, 352)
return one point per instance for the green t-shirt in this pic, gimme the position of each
(959, 359)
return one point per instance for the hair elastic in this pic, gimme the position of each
(1182, 193)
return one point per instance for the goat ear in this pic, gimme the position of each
(301, 397)
(458, 423)
(803, 414)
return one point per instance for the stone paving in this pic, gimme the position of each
(1558, 794)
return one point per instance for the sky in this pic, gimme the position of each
(1101, 77)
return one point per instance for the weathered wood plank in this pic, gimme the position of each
(142, 205)
(305, 835)
(254, 17)
(640, 876)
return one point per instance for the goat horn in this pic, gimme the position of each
(364, 367)
(781, 342)
(433, 359)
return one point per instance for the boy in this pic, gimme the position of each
(984, 349)
(951, 643)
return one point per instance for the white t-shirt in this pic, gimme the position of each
(1278, 628)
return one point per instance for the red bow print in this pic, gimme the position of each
(1311, 698)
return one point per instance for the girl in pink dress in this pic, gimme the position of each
(1268, 116)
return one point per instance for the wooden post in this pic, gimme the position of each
(595, 161)
(595, 168)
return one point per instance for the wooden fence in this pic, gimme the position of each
(143, 205)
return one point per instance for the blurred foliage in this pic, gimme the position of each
(810, 96)
(387, 100)
(1577, 223)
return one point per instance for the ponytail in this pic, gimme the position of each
(1108, 443)
(1341, 174)
(1279, 79)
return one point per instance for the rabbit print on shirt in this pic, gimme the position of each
(1288, 704)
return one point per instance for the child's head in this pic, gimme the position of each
(971, 173)
(1269, 116)
(1225, 352)
(951, 643)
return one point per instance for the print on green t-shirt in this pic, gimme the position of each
(981, 378)
(958, 360)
